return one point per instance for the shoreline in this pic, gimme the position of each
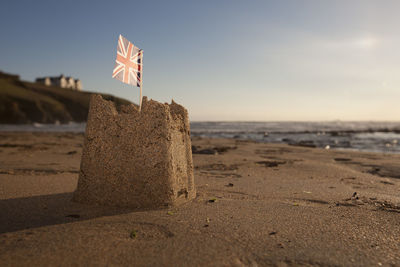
(359, 136)
(196, 136)
(257, 204)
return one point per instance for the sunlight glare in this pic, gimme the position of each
(368, 42)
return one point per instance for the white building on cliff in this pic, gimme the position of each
(61, 81)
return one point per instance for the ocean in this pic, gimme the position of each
(381, 137)
(361, 136)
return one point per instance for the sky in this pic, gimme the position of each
(223, 60)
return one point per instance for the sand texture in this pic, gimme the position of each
(256, 205)
(137, 160)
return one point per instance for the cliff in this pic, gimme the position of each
(25, 102)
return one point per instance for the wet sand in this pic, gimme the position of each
(256, 205)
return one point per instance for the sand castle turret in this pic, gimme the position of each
(136, 159)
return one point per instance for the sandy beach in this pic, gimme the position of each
(257, 205)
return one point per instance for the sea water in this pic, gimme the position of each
(361, 136)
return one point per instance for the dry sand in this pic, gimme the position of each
(256, 204)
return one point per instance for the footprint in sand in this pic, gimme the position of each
(219, 170)
(218, 167)
(221, 174)
(307, 202)
(352, 181)
(387, 183)
(270, 164)
(342, 159)
(135, 230)
(35, 171)
(230, 195)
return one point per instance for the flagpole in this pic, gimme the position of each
(140, 100)
(141, 80)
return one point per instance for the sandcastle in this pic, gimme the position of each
(136, 159)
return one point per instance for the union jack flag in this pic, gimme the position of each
(128, 64)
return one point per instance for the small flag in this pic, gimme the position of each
(128, 64)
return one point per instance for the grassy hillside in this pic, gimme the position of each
(25, 102)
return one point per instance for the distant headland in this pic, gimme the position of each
(23, 102)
